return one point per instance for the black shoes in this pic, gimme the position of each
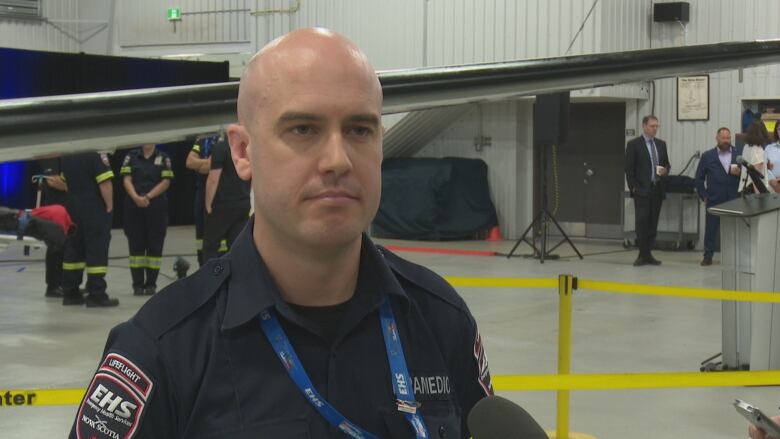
(144, 291)
(55, 292)
(73, 300)
(103, 302)
(79, 299)
(706, 262)
(640, 261)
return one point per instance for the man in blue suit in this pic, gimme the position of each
(717, 179)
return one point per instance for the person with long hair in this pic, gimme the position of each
(756, 139)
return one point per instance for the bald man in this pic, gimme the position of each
(305, 328)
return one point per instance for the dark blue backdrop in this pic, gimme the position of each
(26, 73)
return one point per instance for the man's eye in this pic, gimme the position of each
(302, 130)
(361, 131)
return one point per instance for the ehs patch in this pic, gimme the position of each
(111, 410)
(104, 159)
(482, 366)
(126, 161)
(158, 160)
(115, 400)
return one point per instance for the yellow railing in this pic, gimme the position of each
(564, 381)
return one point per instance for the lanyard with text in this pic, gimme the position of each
(400, 376)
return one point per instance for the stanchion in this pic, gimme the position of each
(565, 291)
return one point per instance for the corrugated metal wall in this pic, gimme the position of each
(468, 31)
(48, 34)
(143, 23)
(391, 33)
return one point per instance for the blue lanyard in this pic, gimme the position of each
(402, 386)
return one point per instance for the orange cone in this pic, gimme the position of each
(494, 234)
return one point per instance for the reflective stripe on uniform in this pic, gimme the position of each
(153, 262)
(166, 174)
(137, 261)
(223, 246)
(196, 148)
(198, 244)
(97, 270)
(125, 170)
(104, 176)
(73, 265)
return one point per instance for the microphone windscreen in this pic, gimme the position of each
(495, 417)
(740, 159)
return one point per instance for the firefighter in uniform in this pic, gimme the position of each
(54, 191)
(146, 177)
(90, 201)
(199, 160)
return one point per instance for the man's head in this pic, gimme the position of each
(723, 137)
(650, 125)
(310, 138)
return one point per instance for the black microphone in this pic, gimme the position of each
(741, 161)
(180, 267)
(495, 417)
(755, 175)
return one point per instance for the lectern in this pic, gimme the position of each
(750, 253)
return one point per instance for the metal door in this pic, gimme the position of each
(589, 171)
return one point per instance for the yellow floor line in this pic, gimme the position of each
(635, 380)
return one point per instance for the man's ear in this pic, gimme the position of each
(238, 137)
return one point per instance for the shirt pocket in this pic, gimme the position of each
(442, 419)
(277, 429)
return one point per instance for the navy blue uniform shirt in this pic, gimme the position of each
(194, 362)
(83, 173)
(202, 147)
(146, 172)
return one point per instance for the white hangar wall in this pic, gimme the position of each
(57, 31)
(415, 33)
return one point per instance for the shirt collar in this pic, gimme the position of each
(151, 157)
(647, 139)
(251, 288)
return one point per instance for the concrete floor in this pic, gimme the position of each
(45, 345)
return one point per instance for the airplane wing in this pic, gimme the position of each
(37, 127)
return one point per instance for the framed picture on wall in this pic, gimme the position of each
(693, 97)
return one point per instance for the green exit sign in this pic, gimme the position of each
(174, 14)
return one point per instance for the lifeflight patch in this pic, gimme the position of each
(115, 400)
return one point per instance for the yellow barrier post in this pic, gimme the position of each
(565, 291)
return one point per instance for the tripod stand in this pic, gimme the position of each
(541, 222)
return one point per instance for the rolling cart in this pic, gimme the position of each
(679, 238)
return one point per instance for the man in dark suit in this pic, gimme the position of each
(717, 180)
(647, 163)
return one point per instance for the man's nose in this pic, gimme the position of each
(335, 156)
